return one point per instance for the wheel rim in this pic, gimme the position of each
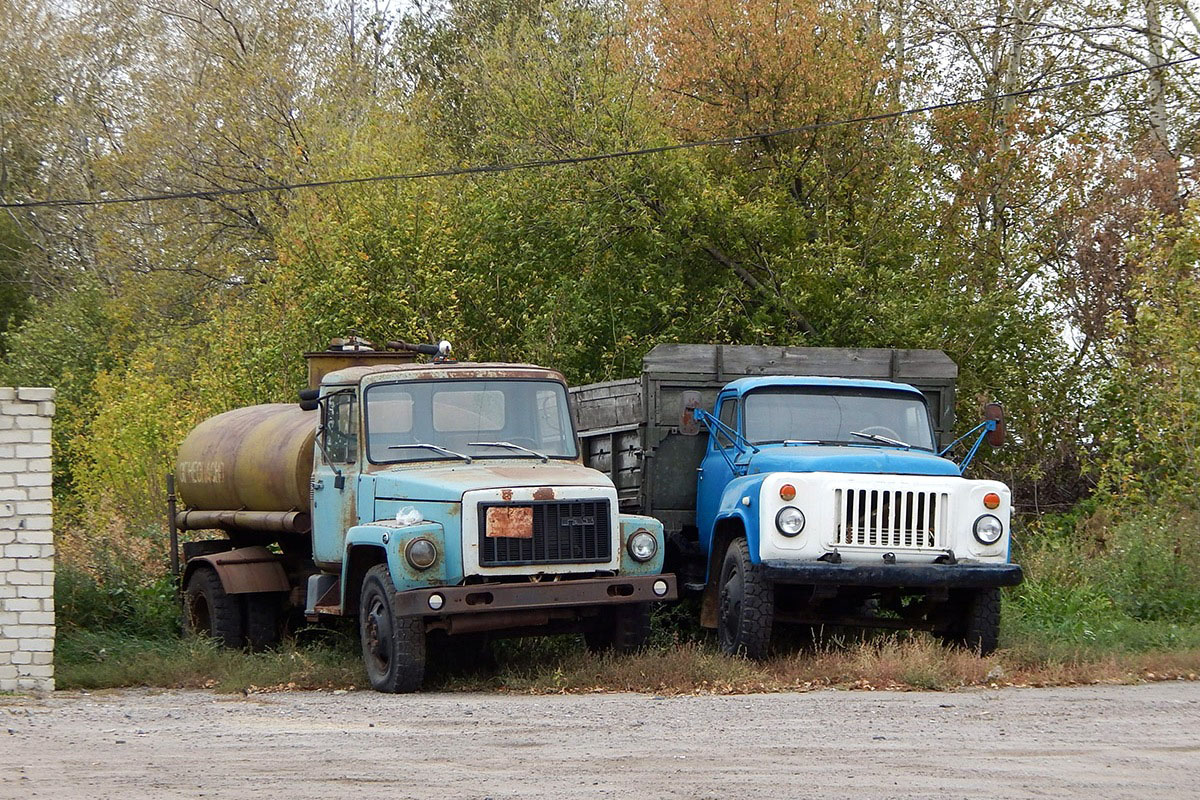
(378, 634)
(731, 609)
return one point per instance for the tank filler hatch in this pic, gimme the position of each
(354, 351)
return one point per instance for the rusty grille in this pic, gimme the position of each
(574, 532)
(890, 518)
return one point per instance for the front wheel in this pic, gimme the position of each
(976, 623)
(745, 604)
(393, 647)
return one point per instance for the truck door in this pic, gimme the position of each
(715, 470)
(335, 476)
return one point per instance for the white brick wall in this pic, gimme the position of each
(26, 541)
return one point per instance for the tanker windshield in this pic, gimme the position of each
(828, 415)
(453, 414)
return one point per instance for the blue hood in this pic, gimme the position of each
(876, 460)
(446, 483)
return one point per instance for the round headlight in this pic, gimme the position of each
(642, 546)
(789, 520)
(421, 553)
(988, 529)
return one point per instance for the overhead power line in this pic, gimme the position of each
(488, 169)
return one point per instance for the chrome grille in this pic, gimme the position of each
(891, 518)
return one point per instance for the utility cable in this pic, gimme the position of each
(489, 169)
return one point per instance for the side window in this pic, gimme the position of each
(727, 417)
(341, 428)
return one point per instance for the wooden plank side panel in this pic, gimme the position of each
(723, 363)
(608, 405)
(622, 464)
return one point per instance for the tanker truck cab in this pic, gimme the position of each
(828, 501)
(451, 497)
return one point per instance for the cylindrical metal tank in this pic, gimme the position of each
(257, 458)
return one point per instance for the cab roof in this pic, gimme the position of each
(450, 369)
(744, 385)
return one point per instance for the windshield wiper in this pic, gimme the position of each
(874, 437)
(427, 446)
(545, 458)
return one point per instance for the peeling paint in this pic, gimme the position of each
(544, 493)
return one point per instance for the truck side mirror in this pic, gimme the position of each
(310, 399)
(689, 402)
(995, 411)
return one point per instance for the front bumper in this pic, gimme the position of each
(480, 598)
(950, 576)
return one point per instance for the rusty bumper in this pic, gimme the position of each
(544, 595)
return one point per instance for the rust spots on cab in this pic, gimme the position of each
(506, 495)
(544, 493)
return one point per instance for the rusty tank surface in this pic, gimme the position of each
(252, 459)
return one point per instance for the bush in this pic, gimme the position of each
(121, 602)
(1126, 583)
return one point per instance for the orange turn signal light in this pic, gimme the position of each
(991, 500)
(787, 492)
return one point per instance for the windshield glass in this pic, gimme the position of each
(452, 414)
(833, 415)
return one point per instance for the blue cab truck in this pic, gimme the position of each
(809, 486)
(439, 499)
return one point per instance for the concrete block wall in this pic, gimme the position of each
(26, 541)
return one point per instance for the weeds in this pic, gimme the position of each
(1103, 601)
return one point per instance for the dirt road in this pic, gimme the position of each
(1107, 742)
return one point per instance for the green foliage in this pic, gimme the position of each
(1147, 421)
(1107, 583)
(66, 343)
(121, 602)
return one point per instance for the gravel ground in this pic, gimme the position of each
(1113, 741)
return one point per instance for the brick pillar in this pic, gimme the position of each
(26, 541)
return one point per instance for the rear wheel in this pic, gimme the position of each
(622, 629)
(264, 619)
(393, 647)
(745, 604)
(210, 611)
(976, 624)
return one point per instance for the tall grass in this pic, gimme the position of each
(1097, 584)
(1104, 600)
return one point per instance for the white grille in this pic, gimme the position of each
(891, 518)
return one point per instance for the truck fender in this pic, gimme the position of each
(245, 570)
(729, 526)
(381, 542)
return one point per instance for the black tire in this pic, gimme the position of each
(745, 604)
(209, 611)
(977, 621)
(393, 647)
(622, 629)
(264, 620)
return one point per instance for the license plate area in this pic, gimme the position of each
(509, 522)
